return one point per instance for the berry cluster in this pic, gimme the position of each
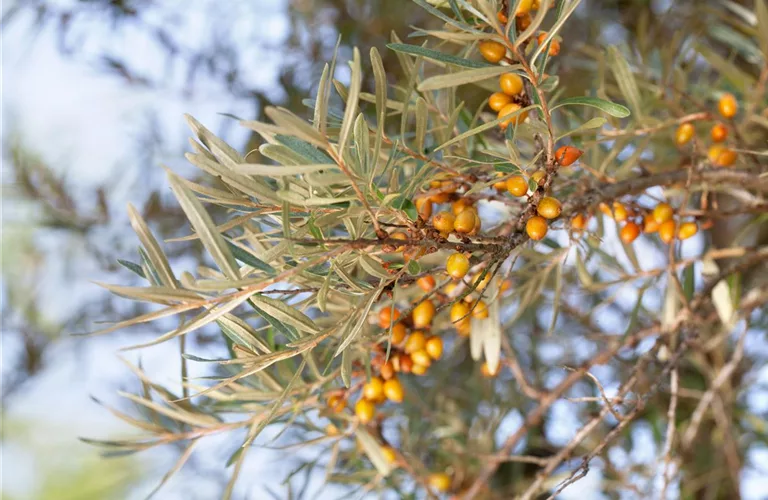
(719, 154)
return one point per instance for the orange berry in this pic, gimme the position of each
(554, 46)
(516, 119)
(423, 314)
(728, 106)
(399, 235)
(440, 197)
(619, 212)
(460, 205)
(605, 209)
(398, 333)
(501, 185)
(389, 454)
(440, 481)
(459, 313)
(721, 156)
(421, 358)
(684, 134)
(506, 285)
(466, 221)
(502, 17)
(649, 224)
(486, 371)
(538, 175)
(331, 430)
(498, 100)
(629, 232)
(337, 404)
(373, 389)
(536, 227)
(517, 185)
(522, 22)
(719, 132)
(393, 390)
(387, 370)
(492, 51)
(578, 222)
(434, 347)
(480, 310)
(415, 341)
(365, 410)
(424, 207)
(443, 222)
(402, 363)
(687, 229)
(419, 369)
(549, 207)
(426, 283)
(667, 231)
(523, 8)
(457, 265)
(387, 315)
(511, 84)
(662, 213)
(479, 283)
(567, 155)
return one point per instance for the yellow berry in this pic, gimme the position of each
(466, 221)
(443, 222)
(398, 333)
(509, 109)
(567, 155)
(460, 205)
(393, 390)
(629, 232)
(373, 389)
(728, 106)
(423, 314)
(331, 430)
(667, 231)
(619, 212)
(719, 132)
(649, 224)
(415, 341)
(419, 369)
(337, 404)
(365, 410)
(549, 207)
(457, 265)
(389, 454)
(578, 222)
(480, 310)
(387, 370)
(721, 156)
(421, 358)
(523, 8)
(684, 134)
(426, 283)
(434, 347)
(399, 235)
(440, 481)
(517, 185)
(492, 51)
(662, 213)
(687, 229)
(511, 84)
(501, 185)
(498, 100)
(459, 313)
(536, 227)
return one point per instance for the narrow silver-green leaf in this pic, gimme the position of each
(350, 112)
(626, 80)
(155, 253)
(609, 107)
(321, 104)
(285, 313)
(421, 123)
(449, 80)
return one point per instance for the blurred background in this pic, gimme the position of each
(93, 96)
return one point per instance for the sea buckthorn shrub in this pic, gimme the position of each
(406, 271)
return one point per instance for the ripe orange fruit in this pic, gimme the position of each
(419, 369)
(466, 221)
(629, 232)
(549, 207)
(434, 347)
(667, 231)
(619, 212)
(415, 341)
(373, 389)
(509, 109)
(440, 481)
(365, 410)
(387, 370)
(500, 186)
(492, 51)
(687, 229)
(457, 265)
(578, 222)
(567, 155)
(498, 100)
(719, 132)
(522, 22)
(538, 175)
(721, 156)
(421, 358)
(387, 315)
(502, 17)
(728, 106)
(399, 235)
(511, 84)
(426, 283)
(480, 311)
(459, 313)
(337, 404)
(536, 227)
(402, 363)
(450, 288)
(398, 333)
(443, 222)
(662, 213)
(554, 46)
(460, 205)
(506, 285)
(393, 390)
(649, 224)
(424, 207)
(389, 454)
(684, 134)
(523, 8)
(423, 314)
(517, 185)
